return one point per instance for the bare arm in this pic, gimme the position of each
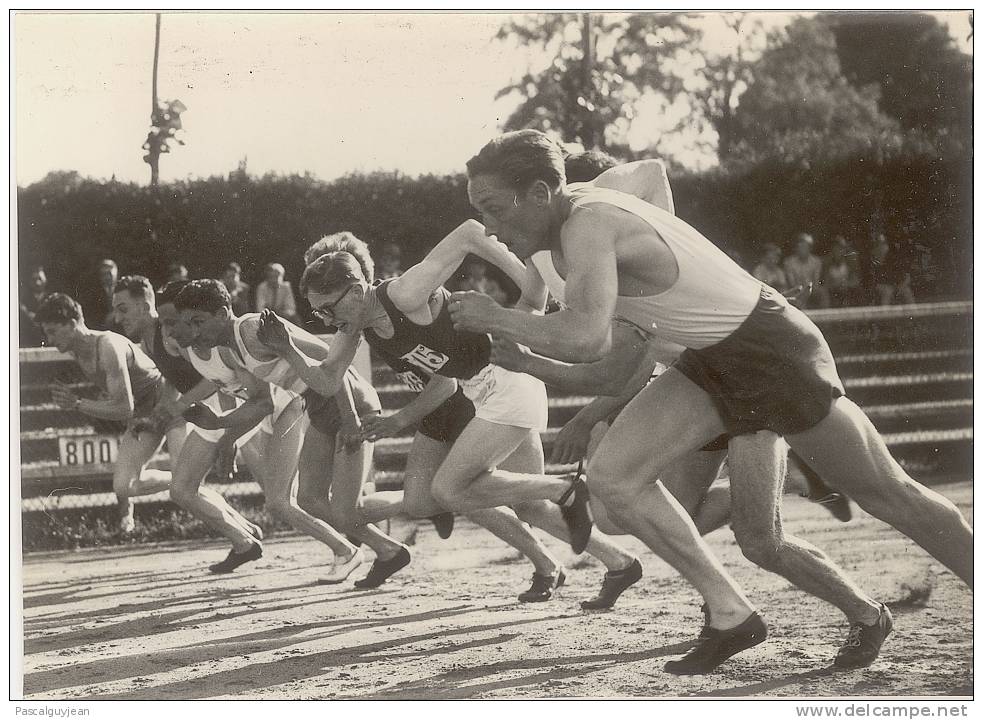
(119, 402)
(582, 331)
(412, 290)
(436, 392)
(606, 376)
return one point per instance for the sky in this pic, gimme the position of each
(288, 93)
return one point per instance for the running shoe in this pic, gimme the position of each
(340, 571)
(235, 559)
(838, 505)
(614, 583)
(382, 570)
(716, 646)
(863, 644)
(575, 509)
(543, 586)
(444, 523)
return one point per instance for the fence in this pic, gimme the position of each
(910, 367)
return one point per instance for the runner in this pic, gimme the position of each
(310, 433)
(441, 413)
(129, 386)
(746, 349)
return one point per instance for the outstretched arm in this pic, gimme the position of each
(118, 404)
(437, 390)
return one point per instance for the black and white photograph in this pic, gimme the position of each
(492, 355)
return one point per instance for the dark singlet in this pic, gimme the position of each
(419, 351)
(176, 370)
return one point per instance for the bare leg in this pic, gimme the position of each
(528, 457)
(464, 481)
(846, 450)
(130, 478)
(195, 460)
(757, 475)
(667, 420)
(689, 480)
(315, 476)
(282, 459)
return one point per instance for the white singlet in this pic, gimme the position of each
(711, 297)
(276, 372)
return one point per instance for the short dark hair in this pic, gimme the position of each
(587, 165)
(170, 291)
(343, 242)
(519, 159)
(331, 272)
(59, 308)
(203, 295)
(137, 286)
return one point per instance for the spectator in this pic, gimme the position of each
(32, 293)
(585, 166)
(275, 293)
(176, 272)
(769, 270)
(96, 298)
(803, 271)
(238, 290)
(841, 278)
(889, 276)
(389, 261)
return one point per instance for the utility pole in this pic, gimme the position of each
(591, 138)
(154, 149)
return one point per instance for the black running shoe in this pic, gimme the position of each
(612, 586)
(838, 505)
(234, 559)
(542, 587)
(863, 644)
(575, 510)
(444, 523)
(382, 570)
(716, 646)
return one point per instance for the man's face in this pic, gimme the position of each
(58, 335)
(515, 218)
(341, 309)
(107, 276)
(804, 248)
(131, 313)
(231, 279)
(172, 326)
(38, 281)
(205, 329)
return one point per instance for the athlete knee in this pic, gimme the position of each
(282, 508)
(182, 494)
(449, 491)
(760, 546)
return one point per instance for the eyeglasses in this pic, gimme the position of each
(326, 311)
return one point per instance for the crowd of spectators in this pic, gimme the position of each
(840, 277)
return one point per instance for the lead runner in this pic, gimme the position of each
(755, 368)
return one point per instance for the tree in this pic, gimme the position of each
(165, 120)
(925, 82)
(799, 108)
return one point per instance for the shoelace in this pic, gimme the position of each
(853, 639)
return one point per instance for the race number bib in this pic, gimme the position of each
(424, 357)
(411, 380)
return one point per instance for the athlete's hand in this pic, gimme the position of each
(571, 443)
(376, 427)
(202, 416)
(472, 311)
(225, 457)
(63, 396)
(508, 354)
(349, 438)
(145, 424)
(272, 331)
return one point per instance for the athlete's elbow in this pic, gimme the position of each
(593, 346)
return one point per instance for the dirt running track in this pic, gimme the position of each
(147, 622)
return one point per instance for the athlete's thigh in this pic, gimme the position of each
(482, 446)
(253, 453)
(176, 437)
(689, 478)
(135, 451)
(283, 450)
(669, 418)
(757, 476)
(315, 468)
(528, 457)
(350, 471)
(196, 458)
(426, 456)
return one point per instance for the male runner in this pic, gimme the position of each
(307, 432)
(755, 368)
(130, 386)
